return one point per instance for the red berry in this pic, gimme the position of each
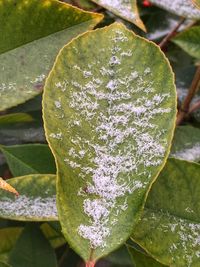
(146, 3)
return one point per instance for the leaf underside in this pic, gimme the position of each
(32, 32)
(170, 226)
(102, 110)
(182, 8)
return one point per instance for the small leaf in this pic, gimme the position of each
(15, 118)
(36, 202)
(109, 116)
(5, 186)
(29, 159)
(186, 143)
(188, 40)
(143, 260)
(56, 239)
(170, 226)
(32, 32)
(126, 9)
(183, 8)
(32, 249)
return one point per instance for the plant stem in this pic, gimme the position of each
(90, 264)
(186, 103)
(194, 107)
(171, 33)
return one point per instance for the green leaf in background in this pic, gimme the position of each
(32, 32)
(32, 249)
(56, 239)
(29, 159)
(10, 119)
(189, 41)
(109, 116)
(182, 8)
(186, 143)
(170, 226)
(36, 200)
(8, 237)
(2, 264)
(126, 9)
(143, 260)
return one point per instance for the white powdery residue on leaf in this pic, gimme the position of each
(190, 153)
(124, 141)
(39, 79)
(57, 104)
(11, 86)
(57, 136)
(62, 85)
(29, 207)
(184, 8)
(122, 7)
(186, 237)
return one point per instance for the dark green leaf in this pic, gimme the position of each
(29, 159)
(170, 226)
(32, 32)
(186, 143)
(14, 118)
(143, 260)
(32, 249)
(188, 40)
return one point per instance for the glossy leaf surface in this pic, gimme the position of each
(102, 112)
(32, 32)
(188, 40)
(186, 143)
(170, 227)
(29, 159)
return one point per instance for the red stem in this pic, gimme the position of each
(90, 264)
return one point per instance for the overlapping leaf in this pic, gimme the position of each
(188, 40)
(5, 186)
(36, 200)
(32, 249)
(102, 113)
(183, 8)
(170, 227)
(32, 32)
(29, 159)
(127, 9)
(186, 143)
(197, 3)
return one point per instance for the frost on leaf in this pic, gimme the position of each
(184, 8)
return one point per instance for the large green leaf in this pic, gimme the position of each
(183, 8)
(126, 9)
(142, 260)
(29, 159)
(186, 143)
(36, 202)
(188, 40)
(170, 227)
(32, 32)
(32, 249)
(109, 115)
